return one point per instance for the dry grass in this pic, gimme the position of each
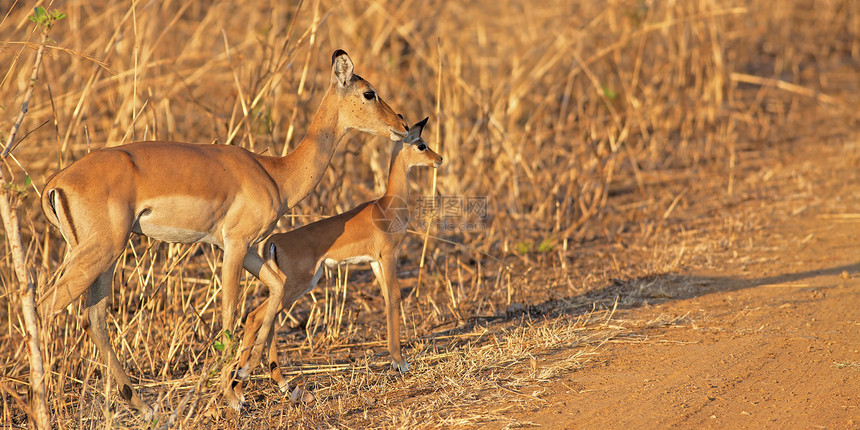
(591, 130)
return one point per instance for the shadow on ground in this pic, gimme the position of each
(637, 292)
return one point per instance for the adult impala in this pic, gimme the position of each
(186, 193)
(372, 233)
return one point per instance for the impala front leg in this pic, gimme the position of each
(386, 272)
(274, 280)
(255, 326)
(231, 271)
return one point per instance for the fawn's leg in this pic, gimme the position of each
(386, 272)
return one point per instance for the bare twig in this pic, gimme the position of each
(39, 414)
(100, 63)
(786, 86)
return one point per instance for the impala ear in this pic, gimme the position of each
(423, 122)
(415, 130)
(341, 68)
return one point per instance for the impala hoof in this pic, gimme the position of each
(235, 398)
(284, 386)
(242, 374)
(234, 403)
(147, 414)
(401, 366)
(302, 395)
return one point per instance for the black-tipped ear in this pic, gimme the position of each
(341, 67)
(421, 124)
(336, 54)
(415, 131)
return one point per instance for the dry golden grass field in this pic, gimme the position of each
(647, 215)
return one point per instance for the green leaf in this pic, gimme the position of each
(218, 346)
(524, 247)
(545, 246)
(27, 181)
(44, 18)
(609, 93)
(38, 15)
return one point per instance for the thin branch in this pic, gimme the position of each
(39, 412)
(102, 64)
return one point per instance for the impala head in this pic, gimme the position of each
(415, 151)
(360, 105)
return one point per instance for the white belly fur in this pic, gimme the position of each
(173, 234)
(358, 259)
(177, 220)
(331, 263)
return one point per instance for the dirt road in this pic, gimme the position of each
(771, 339)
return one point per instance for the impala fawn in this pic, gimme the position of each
(373, 232)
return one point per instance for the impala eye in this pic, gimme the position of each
(422, 146)
(369, 95)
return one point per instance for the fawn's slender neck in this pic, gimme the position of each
(299, 172)
(397, 175)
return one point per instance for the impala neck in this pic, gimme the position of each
(397, 186)
(300, 171)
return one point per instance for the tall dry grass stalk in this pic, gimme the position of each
(579, 124)
(38, 412)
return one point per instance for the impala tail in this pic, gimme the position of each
(55, 205)
(270, 253)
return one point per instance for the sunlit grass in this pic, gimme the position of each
(588, 128)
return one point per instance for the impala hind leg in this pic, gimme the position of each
(231, 384)
(95, 324)
(293, 289)
(258, 328)
(236, 384)
(274, 364)
(386, 272)
(84, 265)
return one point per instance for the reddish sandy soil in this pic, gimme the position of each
(770, 340)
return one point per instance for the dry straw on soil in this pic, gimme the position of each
(584, 126)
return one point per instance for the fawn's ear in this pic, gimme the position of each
(415, 131)
(341, 68)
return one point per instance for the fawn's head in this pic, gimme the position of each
(415, 151)
(359, 106)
